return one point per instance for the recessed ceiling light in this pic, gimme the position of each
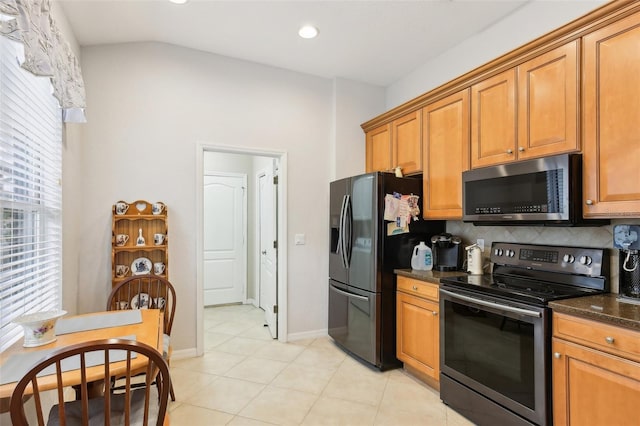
(179, 1)
(308, 31)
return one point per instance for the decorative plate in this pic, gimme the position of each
(141, 302)
(141, 266)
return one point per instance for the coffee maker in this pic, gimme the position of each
(626, 238)
(447, 252)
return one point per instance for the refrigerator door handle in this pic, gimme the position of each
(341, 245)
(339, 249)
(348, 234)
(346, 293)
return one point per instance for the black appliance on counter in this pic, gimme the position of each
(495, 330)
(362, 257)
(627, 239)
(447, 252)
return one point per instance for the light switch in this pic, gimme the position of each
(300, 239)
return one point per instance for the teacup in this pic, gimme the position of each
(159, 302)
(121, 270)
(158, 268)
(121, 239)
(121, 207)
(158, 239)
(157, 208)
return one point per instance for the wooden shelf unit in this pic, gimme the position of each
(139, 216)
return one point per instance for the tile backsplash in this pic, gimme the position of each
(601, 237)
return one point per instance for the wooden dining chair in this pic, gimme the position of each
(148, 291)
(99, 358)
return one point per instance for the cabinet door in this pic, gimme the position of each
(493, 120)
(407, 146)
(593, 388)
(446, 155)
(611, 88)
(379, 149)
(548, 103)
(418, 334)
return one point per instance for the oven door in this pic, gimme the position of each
(497, 349)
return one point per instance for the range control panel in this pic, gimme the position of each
(570, 260)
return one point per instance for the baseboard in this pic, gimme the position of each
(251, 302)
(314, 334)
(184, 353)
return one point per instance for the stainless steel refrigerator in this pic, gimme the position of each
(362, 258)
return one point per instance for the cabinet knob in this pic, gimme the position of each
(557, 355)
(434, 313)
(589, 202)
(609, 339)
(521, 149)
(415, 288)
(264, 252)
(509, 151)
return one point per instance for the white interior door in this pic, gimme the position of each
(267, 194)
(224, 242)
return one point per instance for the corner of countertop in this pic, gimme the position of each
(428, 276)
(606, 308)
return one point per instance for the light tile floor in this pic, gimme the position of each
(247, 378)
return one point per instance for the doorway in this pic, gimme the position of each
(224, 238)
(267, 196)
(265, 239)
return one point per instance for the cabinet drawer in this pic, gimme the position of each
(418, 288)
(608, 338)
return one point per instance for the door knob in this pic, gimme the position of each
(264, 252)
(521, 149)
(509, 151)
(589, 202)
(557, 355)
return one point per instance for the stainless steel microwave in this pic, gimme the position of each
(546, 191)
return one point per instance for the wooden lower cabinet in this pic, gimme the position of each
(596, 373)
(418, 331)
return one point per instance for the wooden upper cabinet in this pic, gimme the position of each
(611, 123)
(445, 139)
(406, 143)
(493, 120)
(378, 149)
(548, 103)
(527, 112)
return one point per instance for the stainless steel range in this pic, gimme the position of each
(495, 330)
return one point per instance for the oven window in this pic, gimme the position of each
(491, 349)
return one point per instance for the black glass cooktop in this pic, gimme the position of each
(525, 290)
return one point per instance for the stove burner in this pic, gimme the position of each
(533, 288)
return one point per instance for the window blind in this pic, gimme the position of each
(30, 194)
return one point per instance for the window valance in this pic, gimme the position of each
(46, 53)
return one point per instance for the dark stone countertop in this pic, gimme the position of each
(605, 308)
(428, 276)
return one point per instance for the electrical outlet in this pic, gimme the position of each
(480, 243)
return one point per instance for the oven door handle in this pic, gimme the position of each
(488, 304)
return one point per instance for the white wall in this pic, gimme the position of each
(527, 23)
(149, 104)
(354, 104)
